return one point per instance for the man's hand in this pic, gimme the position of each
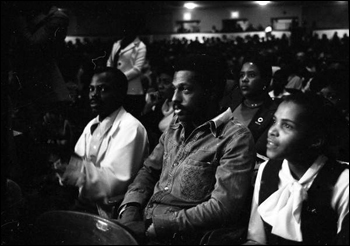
(70, 174)
(58, 136)
(58, 129)
(73, 174)
(151, 232)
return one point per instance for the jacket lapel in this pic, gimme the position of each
(132, 45)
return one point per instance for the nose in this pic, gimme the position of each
(273, 131)
(176, 96)
(94, 92)
(244, 78)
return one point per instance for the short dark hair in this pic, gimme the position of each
(117, 76)
(263, 63)
(209, 71)
(321, 117)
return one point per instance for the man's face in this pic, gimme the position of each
(190, 99)
(103, 95)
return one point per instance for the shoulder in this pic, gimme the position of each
(235, 127)
(234, 133)
(127, 120)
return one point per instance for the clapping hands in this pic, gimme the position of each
(58, 129)
(58, 136)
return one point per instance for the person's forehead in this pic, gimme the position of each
(184, 76)
(249, 66)
(290, 111)
(102, 78)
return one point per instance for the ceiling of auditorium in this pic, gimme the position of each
(179, 4)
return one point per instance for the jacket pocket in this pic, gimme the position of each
(197, 180)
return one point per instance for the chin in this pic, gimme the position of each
(271, 154)
(183, 118)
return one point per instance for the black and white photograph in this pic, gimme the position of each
(174, 123)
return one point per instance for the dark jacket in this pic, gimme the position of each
(318, 218)
(261, 122)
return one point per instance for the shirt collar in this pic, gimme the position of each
(219, 120)
(106, 123)
(214, 123)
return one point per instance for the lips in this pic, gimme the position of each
(94, 103)
(271, 144)
(178, 109)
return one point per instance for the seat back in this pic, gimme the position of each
(77, 228)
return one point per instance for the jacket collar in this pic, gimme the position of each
(133, 44)
(213, 124)
(106, 122)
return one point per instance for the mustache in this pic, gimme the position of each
(95, 100)
(178, 106)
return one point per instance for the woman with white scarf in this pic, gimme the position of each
(301, 194)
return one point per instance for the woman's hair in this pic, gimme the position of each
(321, 118)
(263, 64)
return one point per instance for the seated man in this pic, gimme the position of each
(111, 148)
(199, 175)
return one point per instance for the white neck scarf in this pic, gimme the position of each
(282, 209)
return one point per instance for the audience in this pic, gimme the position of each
(158, 111)
(278, 84)
(197, 198)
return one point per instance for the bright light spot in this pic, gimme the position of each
(187, 16)
(268, 29)
(190, 5)
(234, 14)
(263, 3)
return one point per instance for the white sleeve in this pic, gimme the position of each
(340, 199)
(137, 63)
(110, 61)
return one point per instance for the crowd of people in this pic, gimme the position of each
(225, 141)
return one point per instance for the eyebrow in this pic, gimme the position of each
(183, 83)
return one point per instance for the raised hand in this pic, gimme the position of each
(58, 136)
(58, 129)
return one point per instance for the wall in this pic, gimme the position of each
(257, 15)
(200, 36)
(327, 17)
(104, 18)
(323, 16)
(330, 33)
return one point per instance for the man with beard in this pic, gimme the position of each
(111, 148)
(198, 177)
